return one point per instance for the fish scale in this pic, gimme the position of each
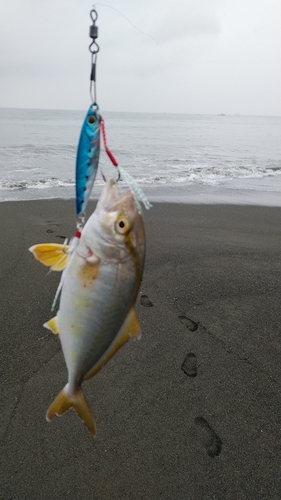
(105, 313)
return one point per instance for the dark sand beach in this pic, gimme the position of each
(189, 412)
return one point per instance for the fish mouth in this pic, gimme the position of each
(110, 200)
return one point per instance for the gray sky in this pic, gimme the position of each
(211, 56)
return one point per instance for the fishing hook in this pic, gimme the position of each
(118, 178)
(102, 174)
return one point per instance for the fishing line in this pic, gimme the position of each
(93, 65)
(128, 20)
(94, 49)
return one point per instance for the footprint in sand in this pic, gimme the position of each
(210, 439)
(49, 231)
(189, 323)
(144, 300)
(189, 366)
(49, 221)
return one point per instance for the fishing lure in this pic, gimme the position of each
(87, 158)
(88, 151)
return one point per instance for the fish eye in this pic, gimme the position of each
(122, 225)
(92, 119)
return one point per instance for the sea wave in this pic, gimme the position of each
(35, 184)
(211, 176)
(208, 175)
(30, 151)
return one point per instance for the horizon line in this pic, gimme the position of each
(144, 112)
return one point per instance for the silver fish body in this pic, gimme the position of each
(100, 284)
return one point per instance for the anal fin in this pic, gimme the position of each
(52, 325)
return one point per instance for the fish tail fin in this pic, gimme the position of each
(64, 401)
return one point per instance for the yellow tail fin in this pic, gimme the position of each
(65, 401)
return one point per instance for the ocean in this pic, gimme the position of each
(174, 157)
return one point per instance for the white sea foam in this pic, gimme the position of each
(211, 178)
(39, 184)
(36, 184)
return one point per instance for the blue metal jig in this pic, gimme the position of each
(87, 159)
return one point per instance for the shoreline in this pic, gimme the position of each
(249, 191)
(189, 411)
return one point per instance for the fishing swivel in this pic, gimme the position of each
(94, 47)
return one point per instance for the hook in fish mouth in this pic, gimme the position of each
(103, 176)
(110, 199)
(118, 176)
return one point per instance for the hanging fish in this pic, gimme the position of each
(87, 159)
(100, 283)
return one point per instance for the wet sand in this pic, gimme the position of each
(192, 410)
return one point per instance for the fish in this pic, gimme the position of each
(87, 158)
(99, 287)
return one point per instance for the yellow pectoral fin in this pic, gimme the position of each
(130, 328)
(52, 325)
(52, 255)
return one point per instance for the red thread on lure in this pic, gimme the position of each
(108, 152)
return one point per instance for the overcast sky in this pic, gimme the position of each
(210, 56)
